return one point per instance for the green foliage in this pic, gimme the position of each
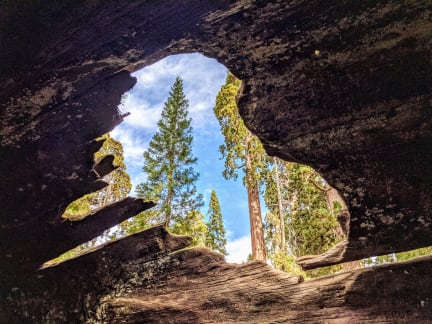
(232, 127)
(168, 164)
(312, 221)
(299, 220)
(314, 273)
(119, 184)
(285, 262)
(138, 223)
(241, 150)
(78, 209)
(215, 238)
(79, 250)
(310, 225)
(192, 225)
(118, 188)
(396, 257)
(118, 180)
(408, 255)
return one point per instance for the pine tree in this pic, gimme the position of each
(169, 164)
(313, 222)
(242, 150)
(215, 239)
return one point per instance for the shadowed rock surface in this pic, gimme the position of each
(344, 86)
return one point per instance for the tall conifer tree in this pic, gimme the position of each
(215, 239)
(169, 163)
(242, 150)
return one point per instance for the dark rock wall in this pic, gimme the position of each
(342, 86)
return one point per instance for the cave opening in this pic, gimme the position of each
(315, 217)
(301, 189)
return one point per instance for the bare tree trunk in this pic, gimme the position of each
(257, 230)
(256, 225)
(170, 193)
(279, 198)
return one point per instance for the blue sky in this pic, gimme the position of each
(202, 79)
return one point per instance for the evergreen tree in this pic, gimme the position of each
(215, 239)
(316, 227)
(309, 216)
(169, 164)
(193, 225)
(242, 150)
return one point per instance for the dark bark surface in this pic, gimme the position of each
(203, 289)
(141, 279)
(344, 86)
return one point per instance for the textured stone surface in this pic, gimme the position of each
(344, 86)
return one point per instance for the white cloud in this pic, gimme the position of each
(136, 180)
(202, 79)
(142, 114)
(145, 101)
(133, 145)
(238, 249)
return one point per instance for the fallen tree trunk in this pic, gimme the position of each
(149, 278)
(344, 86)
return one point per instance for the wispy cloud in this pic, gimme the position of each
(202, 79)
(133, 145)
(143, 115)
